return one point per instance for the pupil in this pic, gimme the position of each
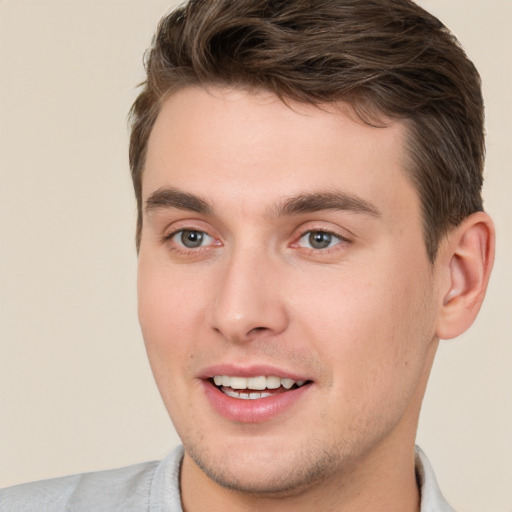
(319, 239)
(191, 239)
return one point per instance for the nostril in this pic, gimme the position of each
(257, 329)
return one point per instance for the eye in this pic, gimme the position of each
(319, 240)
(191, 239)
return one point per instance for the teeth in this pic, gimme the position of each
(255, 383)
(273, 382)
(237, 382)
(245, 396)
(287, 383)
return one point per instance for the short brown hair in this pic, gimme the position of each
(386, 57)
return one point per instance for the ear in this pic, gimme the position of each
(466, 259)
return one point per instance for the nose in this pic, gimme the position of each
(249, 301)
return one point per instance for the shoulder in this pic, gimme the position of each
(125, 488)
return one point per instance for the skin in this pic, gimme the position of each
(359, 319)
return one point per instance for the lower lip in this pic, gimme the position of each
(252, 411)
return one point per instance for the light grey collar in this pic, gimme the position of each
(431, 498)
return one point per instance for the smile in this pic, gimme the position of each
(253, 395)
(254, 388)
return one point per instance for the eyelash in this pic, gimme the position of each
(180, 248)
(340, 239)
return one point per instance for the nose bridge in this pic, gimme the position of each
(247, 299)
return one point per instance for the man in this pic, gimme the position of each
(308, 179)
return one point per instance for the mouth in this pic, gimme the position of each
(255, 394)
(255, 388)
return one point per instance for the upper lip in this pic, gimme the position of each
(235, 370)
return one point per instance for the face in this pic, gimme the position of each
(285, 295)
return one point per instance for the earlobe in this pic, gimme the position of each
(468, 257)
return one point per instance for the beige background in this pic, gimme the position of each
(76, 393)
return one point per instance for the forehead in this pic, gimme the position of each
(227, 144)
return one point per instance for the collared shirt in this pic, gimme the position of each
(149, 487)
(431, 498)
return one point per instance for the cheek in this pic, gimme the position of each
(168, 314)
(169, 303)
(366, 325)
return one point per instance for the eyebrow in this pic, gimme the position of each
(303, 203)
(175, 198)
(325, 201)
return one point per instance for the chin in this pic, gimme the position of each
(265, 472)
